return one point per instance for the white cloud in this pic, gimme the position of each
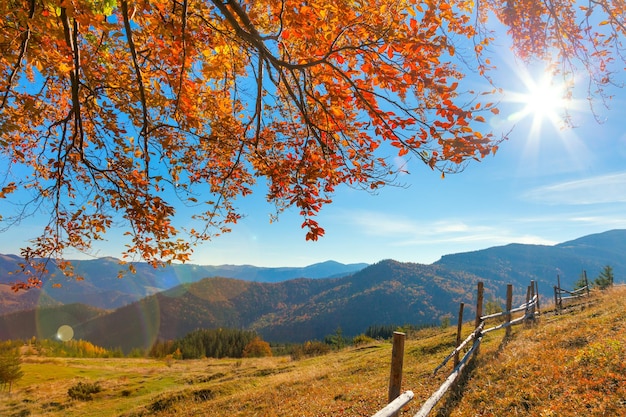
(596, 190)
(406, 232)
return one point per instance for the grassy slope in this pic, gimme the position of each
(567, 365)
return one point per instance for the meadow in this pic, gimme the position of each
(564, 365)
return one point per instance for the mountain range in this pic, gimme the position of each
(101, 288)
(282, 309)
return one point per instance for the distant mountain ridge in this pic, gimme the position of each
(388, 292)
(288, 311)
(101, 288)
(518, 263)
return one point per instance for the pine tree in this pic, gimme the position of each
(10, 368)
(606, 278)
(582, 281)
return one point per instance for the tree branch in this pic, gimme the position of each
(142, 91)
(20, 57)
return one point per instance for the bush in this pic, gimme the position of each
(361, 340)
(83, 391)
(311, 348)
(257, 348)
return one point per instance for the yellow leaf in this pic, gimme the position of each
(64, 68)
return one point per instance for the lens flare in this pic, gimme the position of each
(65, 333)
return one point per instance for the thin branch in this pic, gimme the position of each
(142, 91)
(20, 57)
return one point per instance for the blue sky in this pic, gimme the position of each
(545, 185)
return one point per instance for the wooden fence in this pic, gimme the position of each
(530, 309)
(571, 297)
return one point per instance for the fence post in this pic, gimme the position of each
(527, 306)
(537, 292)
(558, 284)
(509, 307)
(532, 296)
(556, 301)
(397, 359)
(479, 304)
(586, 281)
(458, 333)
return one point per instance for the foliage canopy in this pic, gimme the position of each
(111, 111)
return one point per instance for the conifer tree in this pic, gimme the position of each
(10, 368)
(606, 278)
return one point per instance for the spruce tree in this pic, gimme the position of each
(10, 368)
(606, 278)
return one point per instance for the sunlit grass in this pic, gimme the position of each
(568, 365)
(558, 367)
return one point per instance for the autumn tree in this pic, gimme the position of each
(257, 348)
(114, 112)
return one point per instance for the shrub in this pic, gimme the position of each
(362, 340)
(492, 307)
(336, 340)
(169, 360)
(310, 348)
(257, 348)
(83, 391)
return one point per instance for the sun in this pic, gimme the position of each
(543, 100)
(541, 108)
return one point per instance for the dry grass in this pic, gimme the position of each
(567, 365)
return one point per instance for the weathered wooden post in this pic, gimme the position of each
(560, 299)
(526, 310)
(479, 308)
(556, 301)
(586, 281)
(537, 292)
(479, 304)
(397, 359)
(458, 333)
(532, 297)
(509, 307)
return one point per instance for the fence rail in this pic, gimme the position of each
(574, 295)
(396, 405)
(475, 334)
(530, 309)
(454, 375)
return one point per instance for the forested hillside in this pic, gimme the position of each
(518, 264)
(388, 292)
(101, 287)
(568, 365)
(385, 293)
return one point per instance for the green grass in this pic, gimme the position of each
(566, 365)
